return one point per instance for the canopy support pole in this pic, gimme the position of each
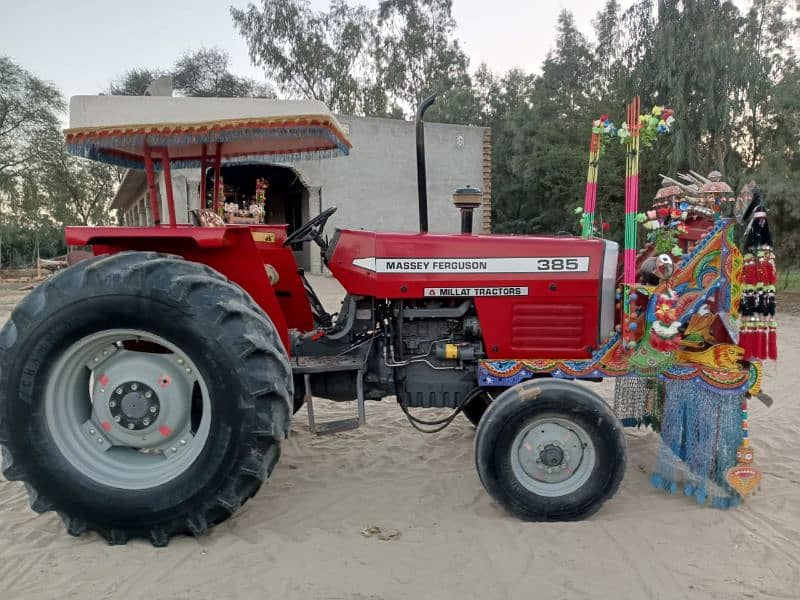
(168, 185)
(203, 159)
(151, 185)
(217, 160)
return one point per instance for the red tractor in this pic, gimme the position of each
(145, 392)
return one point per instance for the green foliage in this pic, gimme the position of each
(205, 72)
(416, 51)
(361, 61)
(320, 55)
(42, 187)
(134, 82)
(29, 110)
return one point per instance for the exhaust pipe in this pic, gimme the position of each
(422, 180)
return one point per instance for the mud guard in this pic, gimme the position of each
(229, 250)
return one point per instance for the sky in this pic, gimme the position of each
(81, 45)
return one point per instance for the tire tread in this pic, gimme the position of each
(240, 324)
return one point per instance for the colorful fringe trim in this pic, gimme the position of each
(700, 431)
(111, 149)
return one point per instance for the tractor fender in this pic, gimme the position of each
(532, 390)
(228, 250)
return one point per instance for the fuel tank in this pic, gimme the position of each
(535, 296)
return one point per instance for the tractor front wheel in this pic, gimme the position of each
(550, 451)
(141, 395)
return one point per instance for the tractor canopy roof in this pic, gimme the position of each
(117, 129)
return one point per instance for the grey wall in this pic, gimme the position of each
(376, 186)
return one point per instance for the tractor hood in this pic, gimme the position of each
(551, 296)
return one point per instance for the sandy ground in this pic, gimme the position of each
(300, 537)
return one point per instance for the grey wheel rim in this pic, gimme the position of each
(552, 456)
(127, 408)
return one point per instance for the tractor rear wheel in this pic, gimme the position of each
(141, 395)
(550, 450)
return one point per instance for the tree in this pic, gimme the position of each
(206, 72)
(548, 139)
(29, 110)
(79, 191)
(697, 68)
(766, 56)
(416, 51)
(134, 82)
(319, 55)
(608, 49)
(778, 172)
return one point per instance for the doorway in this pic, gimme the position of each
(286, 197)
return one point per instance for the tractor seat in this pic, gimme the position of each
(205, 217)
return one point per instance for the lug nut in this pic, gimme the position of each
(153, 409)
(102, 390)
(119, 390)
(130, 425)
(105, 352)
(145, 422)
(183, 442)
(148, 394)
(540, 448)
(116, 418)
(188, 370)
(92, 431)
(112, 403)
(96, 359)
(134, 386)
(174, 449)
(180, 361)
(99, 440)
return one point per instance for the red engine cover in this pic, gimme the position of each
(536, 297)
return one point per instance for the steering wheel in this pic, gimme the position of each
(311, 231)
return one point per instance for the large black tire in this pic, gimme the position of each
(535, 402)
(223, 332)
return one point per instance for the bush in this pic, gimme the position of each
(18, 244)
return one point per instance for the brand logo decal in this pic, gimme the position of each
(549, 264)
(263, 236)
(454, 292)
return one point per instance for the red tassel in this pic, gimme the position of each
(745, 341)
(750, 271)
(770, 274)
(773, 342)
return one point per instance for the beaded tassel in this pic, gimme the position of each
(744, 477)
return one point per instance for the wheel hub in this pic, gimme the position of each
(551, 456)
(128, 435)
(134, 405)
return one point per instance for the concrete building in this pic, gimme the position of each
(375, 187)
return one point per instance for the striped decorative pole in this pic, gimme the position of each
(590, 197)
(631, 206)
